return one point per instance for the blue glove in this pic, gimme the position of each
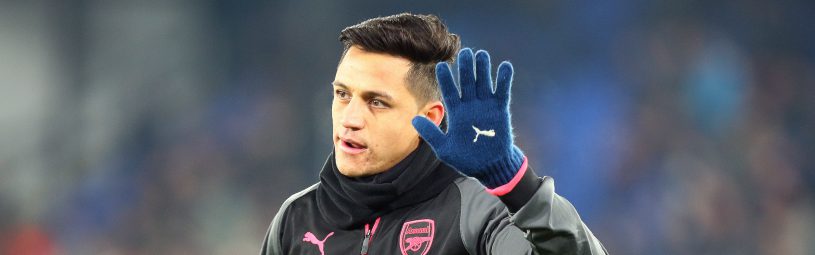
(479, 137)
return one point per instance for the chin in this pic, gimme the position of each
(350, 169)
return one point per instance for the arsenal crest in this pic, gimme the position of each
(417, 236)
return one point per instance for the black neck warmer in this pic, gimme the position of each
(348, 202)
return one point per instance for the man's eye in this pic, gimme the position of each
(341, 94)
(378, 104)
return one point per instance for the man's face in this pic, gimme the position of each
(372, 112)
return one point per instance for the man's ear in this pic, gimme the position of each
(434, 111)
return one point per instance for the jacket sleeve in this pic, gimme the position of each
(529, 219)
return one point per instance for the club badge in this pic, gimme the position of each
(417, 236)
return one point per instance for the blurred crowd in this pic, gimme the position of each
(179, 127)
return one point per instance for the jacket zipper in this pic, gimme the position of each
(369, 234)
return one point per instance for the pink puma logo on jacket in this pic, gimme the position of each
(309, 237)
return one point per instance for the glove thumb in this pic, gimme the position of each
(428, 131)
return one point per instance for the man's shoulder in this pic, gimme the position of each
(472, 189)
(476, 202)
(271, 244)
(297, 200)
(301, 195)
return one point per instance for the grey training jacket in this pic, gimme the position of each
(462, 219)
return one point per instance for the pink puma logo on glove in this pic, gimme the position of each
(309, 237)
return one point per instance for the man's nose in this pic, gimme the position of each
(354, 115)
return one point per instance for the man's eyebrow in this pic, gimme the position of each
(376, 94)
(338, 84)
(369, 93)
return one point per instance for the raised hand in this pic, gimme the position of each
(479, 140)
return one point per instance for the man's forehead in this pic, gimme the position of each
(372, 92)
(374, 65)
(357, 52)
(363, 70)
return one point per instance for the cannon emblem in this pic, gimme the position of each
(417, 237)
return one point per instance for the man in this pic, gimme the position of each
(397, 184)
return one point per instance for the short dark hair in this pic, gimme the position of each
(422, 39)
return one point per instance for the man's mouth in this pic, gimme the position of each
(351, 146)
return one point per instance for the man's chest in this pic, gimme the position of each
(431, 227)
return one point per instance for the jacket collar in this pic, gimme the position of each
(348, 203)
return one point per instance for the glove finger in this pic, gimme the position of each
(483, 77)
(504, 81)
(429, 131)
(446, 84)
(466, 74)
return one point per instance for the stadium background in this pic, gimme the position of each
(178, 127)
